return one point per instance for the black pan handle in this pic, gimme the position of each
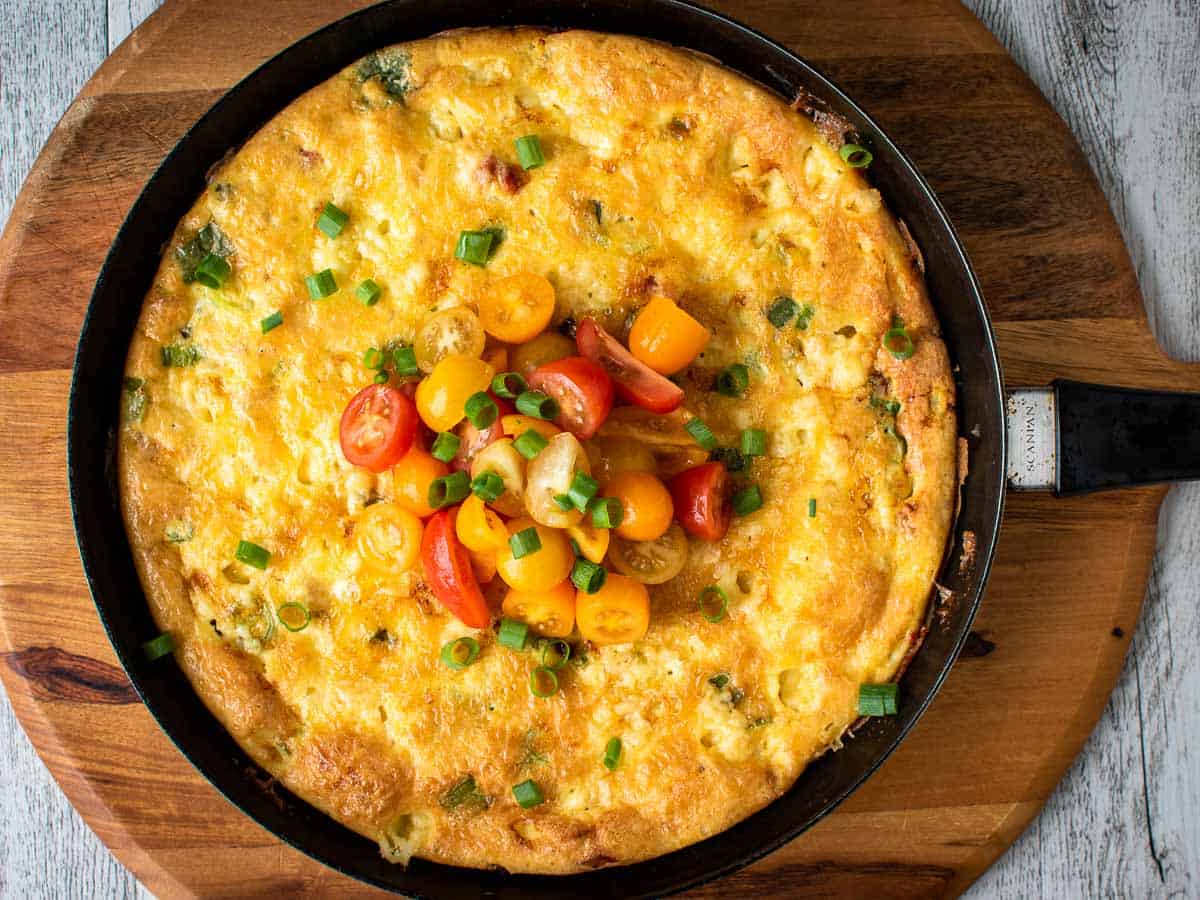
(1073, 437)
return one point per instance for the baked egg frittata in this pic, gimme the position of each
(538, 447)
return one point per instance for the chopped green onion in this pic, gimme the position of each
(543, 682)
(733, 381)
(537, 404)
(332, 220)
(271, 322)
(899, 343)
(714, 603)
(804, 319)
(529, 152)
(294, 616)
(812, 507)
(524, 543)
(607, 512)
(530, 444)
(487, 486)
(747, 501)
(381, 377)
(481, 410)
(555, 654)
(465, 793)
(563, 502)
(754, 442)
(445, 446)
(373, 358)
(212, 271)
(731, 458)
(252, 554)
(583, 488)
(508, 385)
(588, 576)
(782, 311)
(405, 361)
(474, 247)
(877, 699)
(321, 285)
(513, 634)
(158, 647)
(368, 292)
(449, 489)
(528, 794)
(701, 433)
(891, 407)
(720, 680)
(855, 156)
(612, 754)
(180, 355)
(460, 652)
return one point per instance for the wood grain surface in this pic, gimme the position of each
(1070, 574)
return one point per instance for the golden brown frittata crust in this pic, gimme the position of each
(664, 173)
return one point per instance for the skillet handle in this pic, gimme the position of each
(1115, 437)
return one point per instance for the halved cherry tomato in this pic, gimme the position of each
(503, 459)
(515, 426)
(583, 390)
(472, 440)
(541, 569)
(411, 479)
(441, 396)
(377, 427)
(647, 504)
(480, 529)
(610, 456)
(549, 612)
(592, 541)
(447, 333)
(651, 562)
(666, 338)
(701, 497)
(448, 571)
(546, 347)
(517, 308)
(635, 381)
(616, 614)
(388, 537)
(484, 566)
(497, 358)
(549, 475)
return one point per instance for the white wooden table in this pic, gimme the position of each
(1125, 74)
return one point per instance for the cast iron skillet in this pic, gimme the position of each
(127, 275)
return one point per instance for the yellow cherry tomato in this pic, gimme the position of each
(483, 565)
(646, 503)
(592, 541)
(502, 458)
(541, 569)
(544, 348)
(518, 308)
(480, 529)
(616, 614)
(411, 478)
(679, 459)
(451, 332)
(442, 396)
(548, 612)
(497, 358)
(516, 425)
(388, 537)
(610, 456)
(666, 338)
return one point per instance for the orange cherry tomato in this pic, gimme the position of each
(411, 479)
(634, 380)
(516, 425)
(593, 542)
(616, 614)
(549, 612)
(666, 338)
(701, 498)
(583, 390)
(610, 456)
(377, 427)
(541, 569)
(518, 308)
(448, 571)
(388, 537)
(646, 503)
(546, 347)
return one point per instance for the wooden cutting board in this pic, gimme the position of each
(1068, 580)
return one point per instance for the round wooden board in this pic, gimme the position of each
(1068, 580)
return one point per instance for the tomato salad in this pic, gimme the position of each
(510, 477)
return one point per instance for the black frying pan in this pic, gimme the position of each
(1156, 446)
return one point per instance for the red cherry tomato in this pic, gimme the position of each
(635, 380)
(583, 390)
(378, 427)
(473, 439)
(701, 498)
(448, 570)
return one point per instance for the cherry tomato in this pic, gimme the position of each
(472, 440)
(651, 562)
(635, 381)
(451, 332)
(541, 569)
(701, 497)
(448, 571)
(517, 308)
(503, 459)
(377, 427)
(388, 536)
(411, 479)
(610, 456)
(515, 426)
(549, 612)
(593, 542)
(549, 475)
(484, 566)
(646, 503)
(666, 338)
(442, 396)
(546, 347)
(583, 390)
(616, 614)
(480, 529)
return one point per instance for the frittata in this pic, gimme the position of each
(775, 523)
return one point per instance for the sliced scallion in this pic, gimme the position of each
(481, 410)
(487, 486)
(271, 322)
(607, 512)
(373, 358)
(555, 653)
(212, 271)
(332, 220)
(524, 543)
(588, 576)
(252, 554)
(529, 152)
(899, 343)
(449, 489)
(368, 292)
(714, 603)
(805, 316)
(294, 616)
(733, 381)
(855, 156)
(513, 634)
(530, 444)
(537, 404)
(405, 361)
(563, 502)
(543, 682)
(701, 433)
(612, 754)
(528, 794)
(445, 446)
(754, 442)
(782, 311)
(508, 385)
(583, 488)
(812, 507)
(381, 377)
(747, 501)
(321, 285)
(460, 652)
(158, 647)
(878, 699)
(474, 247)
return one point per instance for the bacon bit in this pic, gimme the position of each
(309, 158)
(511, 178)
